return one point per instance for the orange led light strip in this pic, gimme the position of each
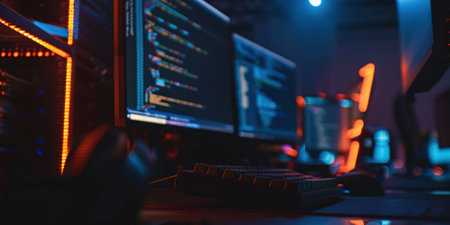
(66, 118)
(367, 72)
(35, 39)
(71, 22)
(68, 90)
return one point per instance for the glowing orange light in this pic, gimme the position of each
(3, 92)
(438, 171)
(47, 54)
(301, 101)
(70, 22)
(322, 95)
(35, 39)
(356, 130)
(351, 158)
(300, 132)
(340, 97)
(290, 151)
(28, 54)
(9, 54)
(357, 222)
(398, 164)
(15, 54)
(39, 54)
(367, 72)
(66, 120)
(3, 54)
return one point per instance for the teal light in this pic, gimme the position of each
(436, 154)
(327, 157)
(346, 103)
(382, 148)
(314, 100)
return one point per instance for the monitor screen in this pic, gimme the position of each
(265, 89)
(177, 63)
(326, 123)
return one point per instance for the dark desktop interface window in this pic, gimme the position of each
(178, 64)
(265, 92)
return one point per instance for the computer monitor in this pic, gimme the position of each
(173, 65)
(326, 123)
(265, 90)
(424, 27)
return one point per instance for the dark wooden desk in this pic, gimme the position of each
(396, 207)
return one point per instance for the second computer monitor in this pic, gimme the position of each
(265, 89)
(326, 122)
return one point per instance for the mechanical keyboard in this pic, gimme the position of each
(256, 185)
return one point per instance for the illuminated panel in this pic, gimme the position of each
(70, 22)
(66, 121)
(35, 39)
(356, 130)
(367, 72)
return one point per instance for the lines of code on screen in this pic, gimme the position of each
(178, 64)
(265, 92)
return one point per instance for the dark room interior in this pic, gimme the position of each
(205, 112)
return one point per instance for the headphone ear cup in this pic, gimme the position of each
(100, 149)
(94, 164)
(121, 201)
(111, 178)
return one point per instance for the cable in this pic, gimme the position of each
(162, 179)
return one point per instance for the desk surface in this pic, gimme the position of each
(166, 204)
